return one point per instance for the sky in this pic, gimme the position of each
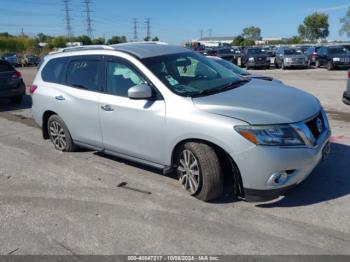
(173, 21)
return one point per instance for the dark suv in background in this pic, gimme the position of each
(255, 57)
(333, 57)
(11, 83)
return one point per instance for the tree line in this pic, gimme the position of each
(23, 43)
(315, 27)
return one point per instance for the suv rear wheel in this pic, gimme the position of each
(59, 134)
(199, 171)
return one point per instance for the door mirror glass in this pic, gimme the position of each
(141, 91)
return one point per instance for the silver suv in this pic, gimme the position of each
(174, 109)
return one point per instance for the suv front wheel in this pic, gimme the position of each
(59, 134)
(199, 171)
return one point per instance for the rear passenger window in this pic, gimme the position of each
(120, 77)
(53, 70)
(5, 67)
(83, 74)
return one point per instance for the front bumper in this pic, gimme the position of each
(258, 63)
(295, 64)
(260, 165)
(346, 98)
(341, 64)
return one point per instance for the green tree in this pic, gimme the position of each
(58, 42)
(252, 32)
(345, 21)
(83, 39)
(116, 40)
(5, 34)
(155, 39)
(248, 42)
(237, 41)
(147, 39)
(99, 41)
(314, 27)
(42, 37)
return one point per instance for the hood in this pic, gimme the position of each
(267, 78)
(261, 102)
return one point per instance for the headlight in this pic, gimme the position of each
(288, 59)
(279, 135)
(336, 59)
(251, 58)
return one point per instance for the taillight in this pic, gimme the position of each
(32, 89)
(17, 75)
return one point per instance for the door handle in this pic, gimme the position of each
(60, 98)
(107, 108)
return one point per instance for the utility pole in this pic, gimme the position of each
(88, 11)
(67, 18)
(148, 27)
(135, 29)
(201, 33)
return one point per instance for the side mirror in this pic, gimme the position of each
(141, 91)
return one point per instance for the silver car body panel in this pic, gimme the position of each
(148, 131)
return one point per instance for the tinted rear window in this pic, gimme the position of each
(53, 70)
(5, 67)
(83, 74)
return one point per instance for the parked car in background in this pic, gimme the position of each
(240, 71)
(253, 57)
(311, 54)
(11, 83)
(333, 57)
(303, 48)
(12, 58)
(287, 57)
(346, 94)
(226, 53)
(174, 109)
(30, 60)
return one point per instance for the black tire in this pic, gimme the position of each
(16, 100)
(69, 145)
(330, 66)
(276, 64)
(211, 179)
(268, 67)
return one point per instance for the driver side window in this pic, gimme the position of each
(121, 77)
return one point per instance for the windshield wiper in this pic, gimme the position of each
(222, 88)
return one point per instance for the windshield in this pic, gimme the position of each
(292, 52)
(191, 74)
(235, 69)
(255, 51)
(338, 50)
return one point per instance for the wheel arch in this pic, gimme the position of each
(47, 114)
(232, 174)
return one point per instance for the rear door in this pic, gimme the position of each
(77, 99)
(131, 127)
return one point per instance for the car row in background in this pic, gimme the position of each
(17, 61)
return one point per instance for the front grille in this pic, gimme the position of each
(316, 125)
(345, 59)
(298, 60)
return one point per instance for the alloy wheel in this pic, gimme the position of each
(188, 171)
(58, 135)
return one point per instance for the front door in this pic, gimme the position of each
(132, 127)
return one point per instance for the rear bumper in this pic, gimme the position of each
(6, 93)
(346, 98)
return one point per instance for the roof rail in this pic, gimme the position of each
(86, 47)
(142, 42)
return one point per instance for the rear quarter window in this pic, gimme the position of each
(53, 70)
(5, 67)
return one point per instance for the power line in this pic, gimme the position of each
(135, 29)
(148, 28)
(67, 18)
(88, 11)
